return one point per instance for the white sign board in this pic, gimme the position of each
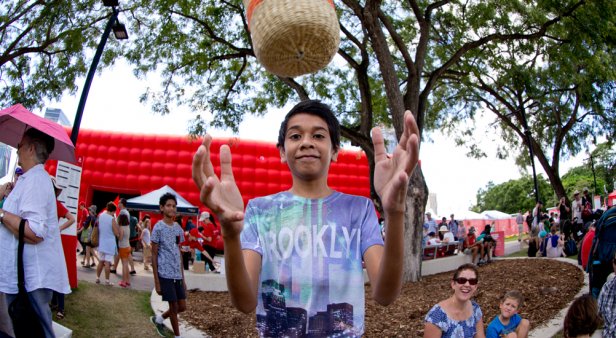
(68, 177)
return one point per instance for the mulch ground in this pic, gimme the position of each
(547, 285)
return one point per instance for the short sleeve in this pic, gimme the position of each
(181, 233)
(477, 312)
(438, 317)
(155, 238)
(250, 236)
(370, 229)
(62, 210)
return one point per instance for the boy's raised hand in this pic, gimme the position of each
(222, 195)
(392, 171)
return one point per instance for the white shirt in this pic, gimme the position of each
(33, 199)
(434, 241)
(576, 208)
(145, 236)
(448, 237)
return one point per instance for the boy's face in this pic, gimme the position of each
(169, 209)
(307, 147)
(509, 307)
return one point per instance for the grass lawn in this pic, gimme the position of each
(99, 311)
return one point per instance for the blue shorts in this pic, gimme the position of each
(172, 289)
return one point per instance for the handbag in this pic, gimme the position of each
(24, 318)
(86, 233)
(94, 236)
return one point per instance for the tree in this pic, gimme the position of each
(392, 57)
(554, 95)
(43, 46)
(513, 195)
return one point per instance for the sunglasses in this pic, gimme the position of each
(462, 280)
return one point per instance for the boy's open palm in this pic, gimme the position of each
(392, 171)
(222, 195)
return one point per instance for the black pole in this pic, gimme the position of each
(592, 167)
(532, 157)
(88, 83)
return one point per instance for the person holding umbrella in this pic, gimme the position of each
(33, 200)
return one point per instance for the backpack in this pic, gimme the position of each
(602, 251)
(532, 248)
(570, 248)
(587, 211)
(529, 221)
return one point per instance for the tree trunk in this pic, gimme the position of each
(416, 198)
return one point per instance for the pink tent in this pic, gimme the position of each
(611, 198)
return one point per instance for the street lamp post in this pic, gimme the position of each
(530, 150)
(119, 30)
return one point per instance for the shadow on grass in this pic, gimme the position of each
(101, 311)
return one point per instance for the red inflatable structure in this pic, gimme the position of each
(133, 164)
(129, 165)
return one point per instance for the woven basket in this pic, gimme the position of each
(293, 37)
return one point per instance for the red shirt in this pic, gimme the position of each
(212, 231)
(191, 244)
(62, 210)
(586, 246)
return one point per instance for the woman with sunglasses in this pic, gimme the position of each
(457, 316)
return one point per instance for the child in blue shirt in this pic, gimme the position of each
(509, 324)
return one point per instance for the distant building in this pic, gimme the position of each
(57, 115)
(8, 160)
(432, 204)
(5, 158)
(391, 141)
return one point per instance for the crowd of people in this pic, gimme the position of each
(481, 246)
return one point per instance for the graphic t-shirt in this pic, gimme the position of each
(168, 238)
(311, 281)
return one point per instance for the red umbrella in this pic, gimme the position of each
(15, 120)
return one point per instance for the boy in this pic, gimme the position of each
(296, 256)
(167, 265)
(509, 324)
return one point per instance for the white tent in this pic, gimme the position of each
(495, 214)
(149, 202)
(468, 214)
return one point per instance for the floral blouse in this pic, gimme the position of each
(455, 328)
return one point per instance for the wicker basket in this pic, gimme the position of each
(293, 37)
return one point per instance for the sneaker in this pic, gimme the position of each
(60, 315)
(133, 272)
(113, 271)
(160, 328)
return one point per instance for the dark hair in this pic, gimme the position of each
(165, 197)
(467, 266)
(212, 219)
(123, 201)
(111, 207)
(515, 295)
(145, 217)
(582, 317)
(43, 143)
(316, 108)
(123, 219)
